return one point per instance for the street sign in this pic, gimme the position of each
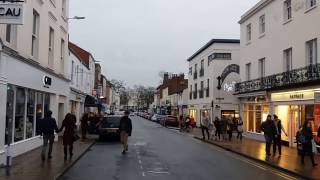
(11, 12)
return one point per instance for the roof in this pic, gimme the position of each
(213, 41)
(256, 8)
(83, 55)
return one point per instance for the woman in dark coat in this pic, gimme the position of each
(307, 137)
(69, 126)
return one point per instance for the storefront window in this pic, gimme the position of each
(39, 112)
(46, 102)
(193, 114)
(254, 115)
(20, 114)
(9, 114)
(30, 114)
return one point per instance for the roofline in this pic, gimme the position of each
(256, 8)
(79, 59)
(213, 41)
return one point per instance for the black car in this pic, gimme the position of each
(109, 127)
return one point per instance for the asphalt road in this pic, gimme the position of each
(157, 153)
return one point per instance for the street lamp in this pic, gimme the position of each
(77, 17)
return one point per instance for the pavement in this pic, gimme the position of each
(289, 160)
(158, 153)
(29, 166)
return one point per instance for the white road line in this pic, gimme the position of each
(140, 161)
(158, 172)
(143, 174)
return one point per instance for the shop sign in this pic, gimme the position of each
(293, 96)
(317, 97)
(11, 12)
(47, 81)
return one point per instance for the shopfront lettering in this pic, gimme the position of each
(13, 12)
(296, 96)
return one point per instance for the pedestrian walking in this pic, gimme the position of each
(47, 127)
(84, 126)
(269, 130)
(230, 127)
(125, 130)
(239, 128)
(306, 139)
(217, 124)
(277, 142)
(205, 123)
(69, 134)
(224, 124)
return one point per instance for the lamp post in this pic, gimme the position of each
(219, 89)
(77, 17)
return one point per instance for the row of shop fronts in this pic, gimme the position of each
(293, 107)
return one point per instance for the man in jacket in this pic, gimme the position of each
(269, 130)
(47, 127)
(205, 123)
(277, 138)
(125, 130)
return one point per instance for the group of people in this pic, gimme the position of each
(48, 127)
(272, 128)
(221, 129)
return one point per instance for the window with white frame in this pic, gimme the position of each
(248, 71)
(262, 24)
(287, 10)
(190, 70)
(35, 34)
(311, 3)
(311, 51)
(249, 32)
(287, 58)
(262, 67)
(51, 48)
(62, 55)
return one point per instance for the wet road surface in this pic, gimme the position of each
(157, 153)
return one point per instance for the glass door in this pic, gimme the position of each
(295, 123)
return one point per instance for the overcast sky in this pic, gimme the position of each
(136, 39)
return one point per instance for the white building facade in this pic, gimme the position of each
(218, 58)
(81, 74)
(32, 74)
(279, 65)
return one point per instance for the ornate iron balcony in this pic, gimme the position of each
(299, 76)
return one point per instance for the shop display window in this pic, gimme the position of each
(20, 114)
(25, 108)
(254, 115)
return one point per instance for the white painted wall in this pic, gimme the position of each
(279, 36)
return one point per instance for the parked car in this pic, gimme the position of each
(109, 127)
(157, 118)
(169, 121)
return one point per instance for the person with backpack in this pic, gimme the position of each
(269, 130)
(306, 138)
(277, 138)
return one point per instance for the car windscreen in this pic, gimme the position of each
(111, 122)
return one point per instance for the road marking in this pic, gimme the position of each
(140, 161)
(143, 174)
(158, 172)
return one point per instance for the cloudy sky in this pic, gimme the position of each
(136, 39)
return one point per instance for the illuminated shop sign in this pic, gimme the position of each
(11, 12)
(47, 81)
(293, 96)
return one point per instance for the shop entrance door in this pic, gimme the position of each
(295, 123)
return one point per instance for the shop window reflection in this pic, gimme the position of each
(254, 115)
(19, 115)
(30, 114)
(9, 114)
(39, 112)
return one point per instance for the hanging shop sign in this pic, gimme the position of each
(11, 12)
(293, 96)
